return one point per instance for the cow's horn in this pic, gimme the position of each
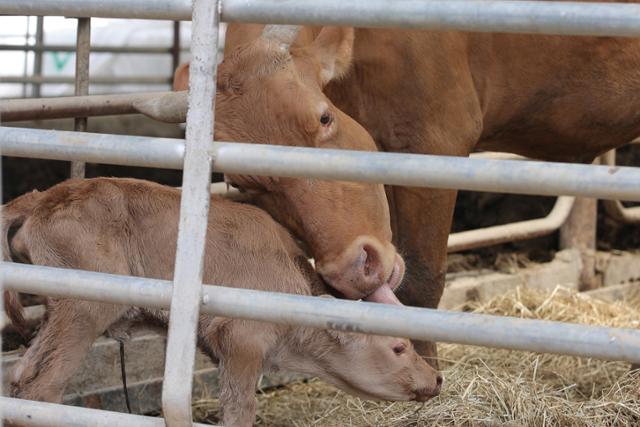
(282, 34)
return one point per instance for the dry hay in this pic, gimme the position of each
(487, 387)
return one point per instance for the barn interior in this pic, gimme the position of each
(538, 278)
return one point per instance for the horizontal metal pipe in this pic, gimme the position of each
(94, 148)
(544, 17)
(508, 176)
(94, 49)
(125, 9)
(513, 232)
(614, 208)
(619, 212)
(497, 155)
(97, 80)
(41, 414)
(383, 319)
(73, 106)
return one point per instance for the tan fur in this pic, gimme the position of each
(127, 226)
(555, 98)
(260, 77)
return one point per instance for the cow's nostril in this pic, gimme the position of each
(371, 262)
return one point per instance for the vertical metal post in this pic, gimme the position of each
(83, 53)
(579, 232)
(25, 65)
(175, 48)
(194, 209)
(37, 62)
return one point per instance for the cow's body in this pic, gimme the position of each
(549, 97)
(126, 226)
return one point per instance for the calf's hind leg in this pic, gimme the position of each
(60, 346)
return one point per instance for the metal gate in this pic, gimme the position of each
(199, 154)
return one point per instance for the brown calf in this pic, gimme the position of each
(127, 226)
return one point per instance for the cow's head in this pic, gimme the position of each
(269, 93)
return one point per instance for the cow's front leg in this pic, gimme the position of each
(421, 219)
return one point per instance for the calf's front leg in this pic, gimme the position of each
(241, 363)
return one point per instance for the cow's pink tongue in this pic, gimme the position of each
(384, 295)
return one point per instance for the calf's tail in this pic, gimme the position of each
(13, 215)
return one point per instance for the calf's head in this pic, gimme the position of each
(376, 368)
(269, 93)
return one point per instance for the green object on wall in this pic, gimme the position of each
(60, 59)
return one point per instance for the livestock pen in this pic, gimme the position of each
(197, 155)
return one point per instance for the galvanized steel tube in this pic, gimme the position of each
(144, 50)
(83, 56)
(91, 147)
(507, 176)
(383, 319)
(615, 209)
(12, 110)
(98, 80)
(41, 414)
(192, 225)
(125, 9)
(513, 232)
(543, 17)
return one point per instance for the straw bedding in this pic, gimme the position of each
(487, 387)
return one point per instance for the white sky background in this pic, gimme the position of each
(104, 32)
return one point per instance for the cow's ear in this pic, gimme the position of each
(181, 77)
(333, 48)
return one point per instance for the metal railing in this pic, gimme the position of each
(83, 51)
(197, 153)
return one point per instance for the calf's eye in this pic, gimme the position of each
(399, 348)
(325, 119)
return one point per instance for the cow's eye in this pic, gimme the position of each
(326, 119)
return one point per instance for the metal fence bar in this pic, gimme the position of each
(74, 106)
(126, 9)
(98, 80)
(95, 148)
(94, 49)
(194, 212)
(614, 208)
(512, 232)
(543, 17)
(37, 60)
(417, 170)
(382, 319)
(83, 54)
(25, 62)
(41, 414)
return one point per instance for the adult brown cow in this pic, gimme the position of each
(548, 97)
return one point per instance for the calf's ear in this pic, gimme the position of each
(333, 49)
